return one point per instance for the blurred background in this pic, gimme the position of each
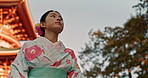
(109, 37)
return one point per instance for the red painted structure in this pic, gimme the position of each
(15, 25)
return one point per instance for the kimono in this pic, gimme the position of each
(43, 53)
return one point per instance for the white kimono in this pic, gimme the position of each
(43, 53)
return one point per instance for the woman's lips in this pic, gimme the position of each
(59, 23)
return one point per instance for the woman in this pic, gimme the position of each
(46, 57)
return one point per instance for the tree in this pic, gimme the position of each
(141, 7)
(118, 50)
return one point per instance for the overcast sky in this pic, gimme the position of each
(80, 16)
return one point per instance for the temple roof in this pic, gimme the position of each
(15, 14)
(23, 13)
(7, 51)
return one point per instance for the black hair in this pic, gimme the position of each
(43, 17)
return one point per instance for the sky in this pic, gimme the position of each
(80, 16)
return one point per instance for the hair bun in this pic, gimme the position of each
(38, 29)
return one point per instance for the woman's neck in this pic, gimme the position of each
(51, 36)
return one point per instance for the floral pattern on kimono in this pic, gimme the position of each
(43, 53)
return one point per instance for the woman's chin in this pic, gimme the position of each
(58, 30)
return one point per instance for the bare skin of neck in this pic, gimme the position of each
(51, 36)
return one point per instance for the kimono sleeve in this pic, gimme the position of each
(19, 67)
(74, 71)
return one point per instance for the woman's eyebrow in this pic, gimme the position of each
(57, 15)
(53, 14)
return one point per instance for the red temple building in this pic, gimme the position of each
(16, 25)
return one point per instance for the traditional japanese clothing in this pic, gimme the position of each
(41, 58)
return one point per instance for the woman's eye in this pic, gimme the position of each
(53, 16)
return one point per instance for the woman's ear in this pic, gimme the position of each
(42, 24)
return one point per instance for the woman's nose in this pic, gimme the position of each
(58, 18)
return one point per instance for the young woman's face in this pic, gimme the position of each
(54, 22)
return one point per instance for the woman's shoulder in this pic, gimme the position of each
(28, 44)
(31, 42)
